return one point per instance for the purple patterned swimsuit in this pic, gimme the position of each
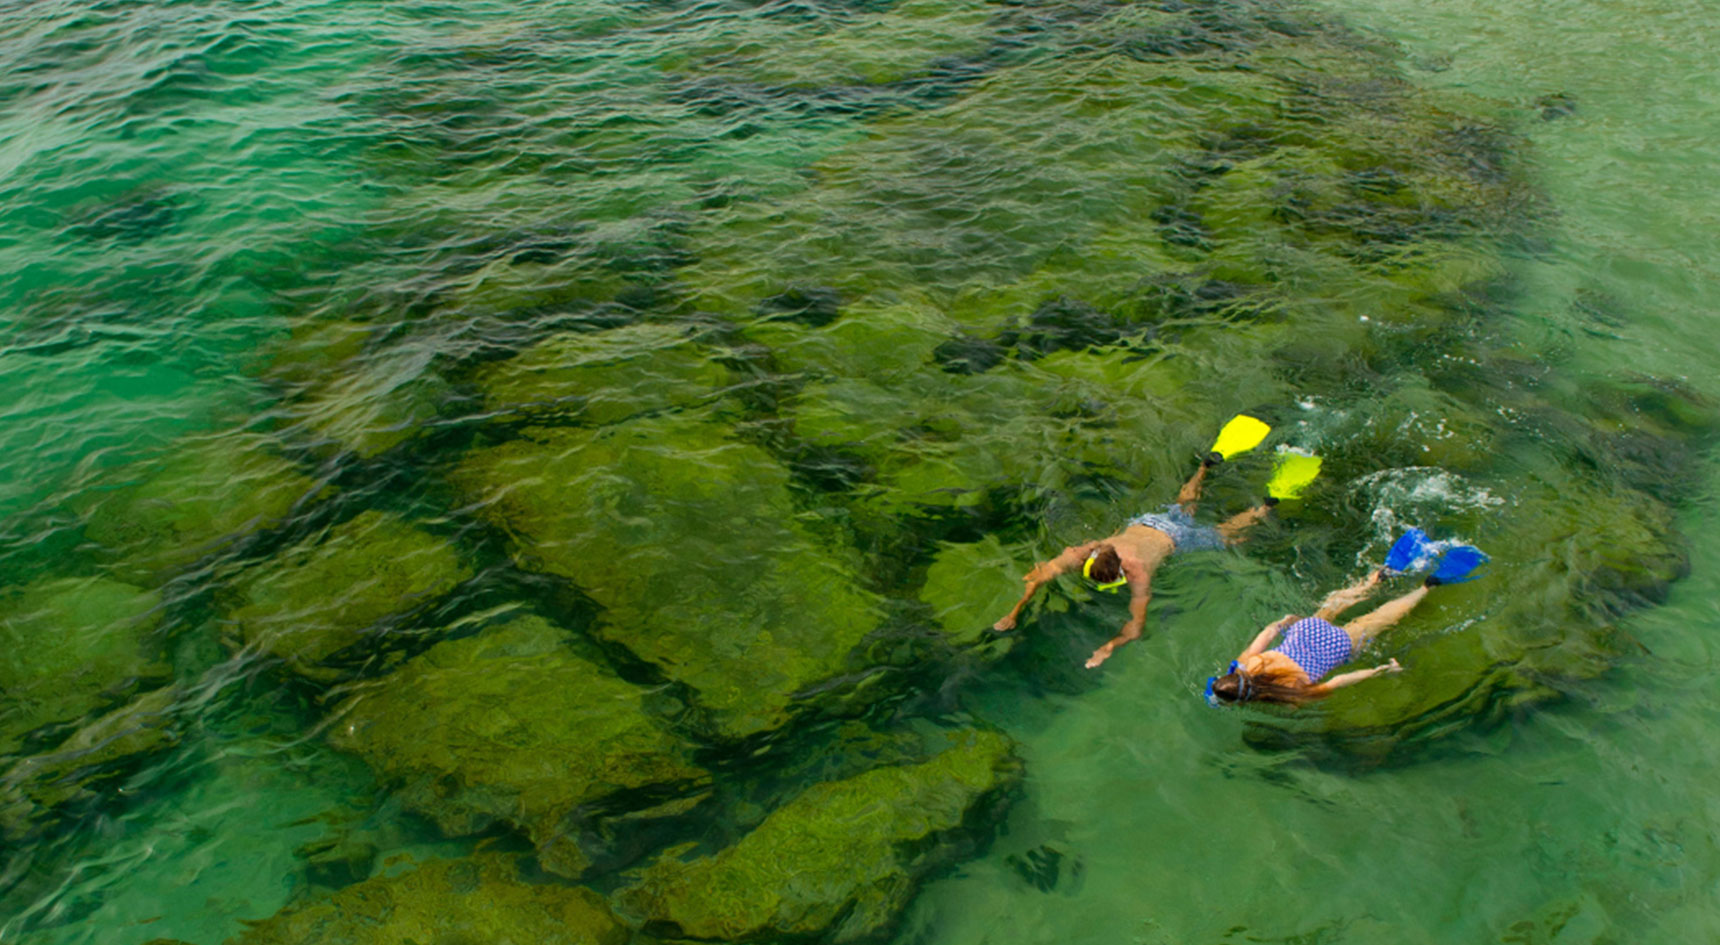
(1316, 646)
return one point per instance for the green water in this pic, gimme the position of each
(307, 244)
(1588, 823)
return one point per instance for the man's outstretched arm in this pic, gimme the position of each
(1041, 575)
(1141, 591)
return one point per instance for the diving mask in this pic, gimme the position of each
(1087, 572)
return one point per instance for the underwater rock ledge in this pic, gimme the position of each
(839, 861)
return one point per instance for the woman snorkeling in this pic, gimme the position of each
(1291, 673)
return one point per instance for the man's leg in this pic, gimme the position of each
(1339, 601)
(1190, 492)
(1232, 528)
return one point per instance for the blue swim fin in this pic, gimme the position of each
(1458, 565)
(1413, 551)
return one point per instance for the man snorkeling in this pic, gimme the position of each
(1132, 555)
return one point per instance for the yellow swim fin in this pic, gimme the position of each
(1240, 435)
(1291, 473)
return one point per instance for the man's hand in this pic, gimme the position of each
(1007, 623)
(1100, 655)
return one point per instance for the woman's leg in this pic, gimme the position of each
(1339, 601)
(1366, 627)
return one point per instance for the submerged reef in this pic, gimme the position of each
(346, 390)
(511, 725)
(1035, 297)
(477, 899)
(692, 544)
(81, 691)
(969, 585)
(83, 768)
(604, 377)
(840, 859)
(72, 646)
(158, 517)
(641, 492)
(320, 596)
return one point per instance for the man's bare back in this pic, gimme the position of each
(1138, 551)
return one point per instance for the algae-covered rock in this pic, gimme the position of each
(969, 585)
(320, 596)
(74, 770)
(982, 191)
(605, 377)
(511, 725)
(476, 899)
(690, 541)
(71, 646)
(937, 440)
(1035, 291)
(347, 389)
(883, 339)
(370, 408)
(537, 279)
(314, 349)
(204, 492)
(906, 41)
(841, 859)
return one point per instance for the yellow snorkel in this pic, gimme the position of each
(1087, 572)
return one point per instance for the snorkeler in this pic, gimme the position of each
(1132, 555)
(1291, 673)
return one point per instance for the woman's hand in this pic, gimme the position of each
(1007, 623)
(1389, 666)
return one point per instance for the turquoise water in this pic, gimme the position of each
(301, 244)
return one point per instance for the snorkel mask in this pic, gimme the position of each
(1087, 572)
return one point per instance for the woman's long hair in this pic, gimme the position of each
(1282, 686)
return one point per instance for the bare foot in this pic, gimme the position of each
(1007, 623)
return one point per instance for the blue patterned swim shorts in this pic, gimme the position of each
(1186, 533)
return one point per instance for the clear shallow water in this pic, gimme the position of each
(1588, 822)
(186, 187)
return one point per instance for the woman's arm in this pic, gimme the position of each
(1266, 636)
(1356, 676)
(1042, 574)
